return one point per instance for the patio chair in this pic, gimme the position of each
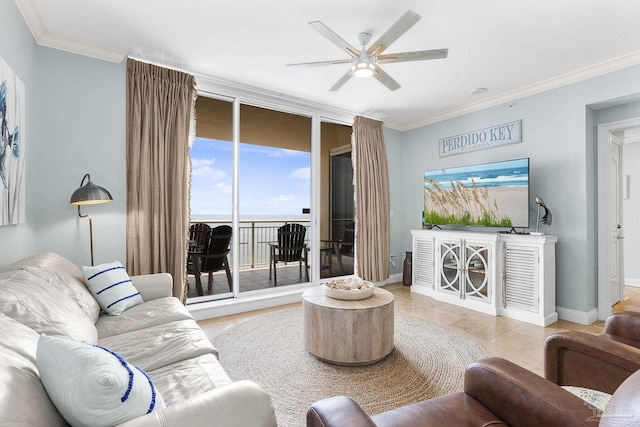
(212, 258)
(290, 248)
(344, 246)
(198, 236)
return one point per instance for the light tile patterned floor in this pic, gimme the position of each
(520, 342)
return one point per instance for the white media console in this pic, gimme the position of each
(511, 275)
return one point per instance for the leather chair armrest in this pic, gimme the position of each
(337, 411)
(152, 286)
(584, 360)
(522, 398)
(239, 404)
(626, 325)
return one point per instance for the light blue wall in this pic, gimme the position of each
(75, 124)
(393, 143)
(555, 138)
(18, 50)
(82, 117)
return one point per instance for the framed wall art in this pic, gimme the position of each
(12, 144)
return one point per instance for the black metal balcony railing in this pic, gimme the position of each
(254, 237)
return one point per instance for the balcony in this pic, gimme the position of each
(253, 239)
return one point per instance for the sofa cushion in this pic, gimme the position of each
(71, 285)
(111, 286)
(94, 386)
(23, 399)
(161, 345)
(181, 380)
(150, 313)
(32, 301)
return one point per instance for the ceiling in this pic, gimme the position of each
(511, 48)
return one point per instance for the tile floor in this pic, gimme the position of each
(520, 342)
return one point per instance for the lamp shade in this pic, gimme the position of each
(90, 194)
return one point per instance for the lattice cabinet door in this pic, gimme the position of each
(520, 288)
(477, 268)
(451, 262)
(423, 262)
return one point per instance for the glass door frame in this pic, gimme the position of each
(316, 120)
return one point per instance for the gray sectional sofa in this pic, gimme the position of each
(46, 294)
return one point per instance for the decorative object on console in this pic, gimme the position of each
(546, 218)
(89, 194)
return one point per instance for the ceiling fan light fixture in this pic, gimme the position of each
(363, 69)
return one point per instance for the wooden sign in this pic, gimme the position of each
(483, 139)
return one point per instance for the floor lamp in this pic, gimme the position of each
(89, 194)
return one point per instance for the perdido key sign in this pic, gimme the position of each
(483, 139)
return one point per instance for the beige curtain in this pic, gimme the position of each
(160, 106)
(371, 175)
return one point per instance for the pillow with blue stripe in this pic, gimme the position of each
(93, 386)
(111, 286)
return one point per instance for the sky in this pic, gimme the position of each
(273, 181)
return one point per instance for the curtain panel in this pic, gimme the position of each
(160, 112)
(371, 176)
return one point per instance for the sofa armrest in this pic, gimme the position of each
(337, 411)
(153, 286)
(522, 398)
(584, 360)
(240, 404)
(624, 327)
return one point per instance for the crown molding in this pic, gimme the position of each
(249, 93)
(596, 70)
(42, 38)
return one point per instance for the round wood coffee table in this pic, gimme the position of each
(348, 332)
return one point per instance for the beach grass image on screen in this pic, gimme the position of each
(490, 195)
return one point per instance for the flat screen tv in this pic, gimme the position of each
(490, 195)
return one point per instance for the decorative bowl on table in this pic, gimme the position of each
(351, 288)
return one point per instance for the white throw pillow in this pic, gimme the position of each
(112, 287)
(93, 386)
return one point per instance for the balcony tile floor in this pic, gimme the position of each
(258, 278)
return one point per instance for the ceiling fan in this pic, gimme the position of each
(364, 62)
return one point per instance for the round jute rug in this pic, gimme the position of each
(428, 361)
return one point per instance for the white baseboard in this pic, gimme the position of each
(630, 281)
(397, 277)
(575, 316)
(251, 301)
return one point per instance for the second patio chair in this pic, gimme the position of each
(290, 248)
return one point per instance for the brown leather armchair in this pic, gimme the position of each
(585, 360)
(624, 327)
(496, 393)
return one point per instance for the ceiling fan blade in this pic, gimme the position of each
(386, 79)
(341, 82)
(418, 55)
(334, 38)
(401, 26)
(337, 61)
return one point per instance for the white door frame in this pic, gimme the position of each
(604, 199)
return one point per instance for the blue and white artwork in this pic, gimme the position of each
(12, 166)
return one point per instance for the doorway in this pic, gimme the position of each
(613, 192)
